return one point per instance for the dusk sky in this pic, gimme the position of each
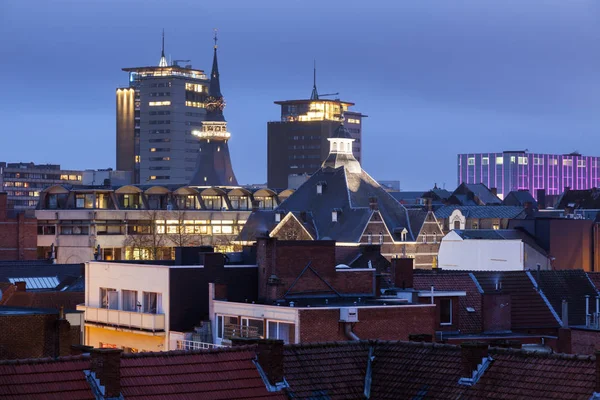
(436, 78)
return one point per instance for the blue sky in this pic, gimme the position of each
(436, 78)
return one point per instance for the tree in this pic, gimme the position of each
(147, 236)
(184, 234)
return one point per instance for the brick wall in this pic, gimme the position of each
(584, 341)
(32, 336)
(385, 323)
(18, 236)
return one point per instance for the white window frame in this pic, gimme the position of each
(451, 313)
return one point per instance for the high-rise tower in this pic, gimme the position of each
(213, 166)
(156, 114)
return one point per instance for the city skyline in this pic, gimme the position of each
(435, 79)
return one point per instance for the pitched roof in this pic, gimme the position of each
(480, 212)
(500, 234)
(589, 198)
(519, 198)
(45, 379)
(65, 274)
(595, 279)
(484, 194)
(528, 307)
(469, 322)
(68, 300)
(570, 285)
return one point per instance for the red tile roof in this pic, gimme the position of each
(595, 278)
(220, 374)
(68, 300)
(468, 322)
(45, 379)
(528, 308)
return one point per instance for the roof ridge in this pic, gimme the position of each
(45, 360)
(171, 353)
(525, 353)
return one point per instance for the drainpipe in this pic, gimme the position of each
(587, 311)
(348, 331)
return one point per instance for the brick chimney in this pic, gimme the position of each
(62, 335)
(472, 354)
(541, 199)
(21, 286)
(106, 367)
(3, 205)
(270, 359)
(402, 270)
(373, 203)
(494, 191)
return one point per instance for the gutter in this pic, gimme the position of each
(348, 331)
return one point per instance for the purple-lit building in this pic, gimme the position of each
(518, 170)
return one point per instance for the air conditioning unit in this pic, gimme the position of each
(349, 314)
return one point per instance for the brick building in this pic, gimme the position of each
(18, 233)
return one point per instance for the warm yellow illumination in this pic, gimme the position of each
(196, 104)
(153, 177)
(194, 87)
(153, 149)
(159, 103)
(353, 121)
(137, 159)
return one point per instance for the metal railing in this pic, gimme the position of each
(240, 331)
(129, 319)
(191, 345)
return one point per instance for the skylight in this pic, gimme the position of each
(37, 282)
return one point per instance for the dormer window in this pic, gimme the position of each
(403, 234)
(369, 238)
(380, 238)
(334, 146)
(320, 187)
(277, 217)
(334, 216)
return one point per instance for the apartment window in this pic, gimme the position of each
(474, 225)
(159, 103)
(513, 159)
(253, 328)
(485, 161)
(46, 230)
(150, 304)
(446, 312)
(581, 163)
(538, 161)
(130, 300)
(499, 160)
(109, 298)
(227, 327)
(523, 161)
(554, 162)
(471, 161)
(84, 201)
(495, 226)
(281, 331)
(567, 163)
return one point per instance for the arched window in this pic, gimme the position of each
(369, 238)
(334, 146)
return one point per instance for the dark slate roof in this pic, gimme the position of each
(519, 198)
(570, 285)
(589, 199)
(500, 234)
(480, 212)
(469, 322)
(56, 300)
(347, 191)
(595, 279)
(484, 193)
(408, 197)
(65, 273)
(528, 307)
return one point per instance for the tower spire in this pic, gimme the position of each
(215, 103)
(163, 59)
(315, 94)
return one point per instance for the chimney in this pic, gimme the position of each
(494, 191)
(62, 335)
(220, 291)
(541, 199)
(402, 269)
(255, 205)
(21, 286)
(106, 367)
(270, 359)
(472, 354)
(597, 385)
(3, 205)
(565, 314)
(373, 203)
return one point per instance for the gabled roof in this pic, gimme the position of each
(528, 308)
(480, 212)
(519, 198)
(68, 300)
(65, 274)
(500, 234)
(570, 285)
(589, 198)
(469, 322)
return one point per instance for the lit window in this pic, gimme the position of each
(137, 159)
(523, 160)
(538, 161)
(353, 121)
(471, 161)
(513, 159)
(567, 163)
(485, 161)
(153, 149)
(281, 331)
(195, 104)
(159, 103)
(152, 177)
(499, 160)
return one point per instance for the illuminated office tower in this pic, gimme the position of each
(297, 144)
(156, 114)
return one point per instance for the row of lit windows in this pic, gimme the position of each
(194, 87)
(159, 103)
(525, 161)
(23, 193)
(197, 104)
(353, 121)
(155, 177)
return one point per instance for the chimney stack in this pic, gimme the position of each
(3, 205)
(270, 359)
(494, 191)
(21, 286)
(472, 354)
(402, 270)
(541, 199)
(62, 335)
(106, 367)
(373, 203)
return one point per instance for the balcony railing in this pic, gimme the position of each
(128, 319)
(240, 331)
(191, 345)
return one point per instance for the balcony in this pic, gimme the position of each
(192, 345)
(124, 319)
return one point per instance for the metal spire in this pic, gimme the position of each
(215, 38)
(163, 59)
(315, 94)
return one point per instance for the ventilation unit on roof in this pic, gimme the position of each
(349, 314)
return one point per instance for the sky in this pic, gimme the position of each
(436, 78)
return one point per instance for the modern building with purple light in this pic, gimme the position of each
(520, 170)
